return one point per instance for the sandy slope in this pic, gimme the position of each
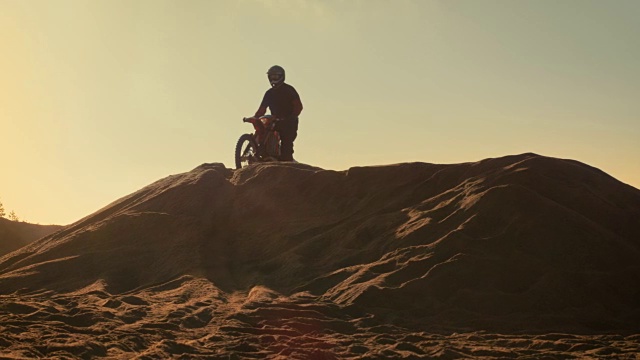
(16, 234)
(516, 256)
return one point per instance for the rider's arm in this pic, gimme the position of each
(297, 104)
(261, 111)
(297, 107)
(266, 100)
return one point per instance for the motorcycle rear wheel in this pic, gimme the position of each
(246, 151)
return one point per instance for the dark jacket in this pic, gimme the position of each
(283, 101)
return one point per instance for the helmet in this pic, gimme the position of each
(275, 75)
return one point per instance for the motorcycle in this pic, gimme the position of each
(261, 146)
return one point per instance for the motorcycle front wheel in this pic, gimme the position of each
(246, 151)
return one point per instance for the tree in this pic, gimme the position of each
(13, 216)
(2, 213)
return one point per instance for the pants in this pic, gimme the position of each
(288, 129)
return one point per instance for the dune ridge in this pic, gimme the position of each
(385, 261)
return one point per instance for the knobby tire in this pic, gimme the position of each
(241, 150)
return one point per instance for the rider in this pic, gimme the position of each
(284, 102)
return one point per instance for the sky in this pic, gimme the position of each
(101, 98)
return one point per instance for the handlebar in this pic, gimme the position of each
(266, 117)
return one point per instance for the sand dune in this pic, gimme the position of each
(16, 234)
(520, 256)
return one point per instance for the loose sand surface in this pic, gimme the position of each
(191, 319)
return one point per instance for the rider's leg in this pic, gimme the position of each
(288, 130)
